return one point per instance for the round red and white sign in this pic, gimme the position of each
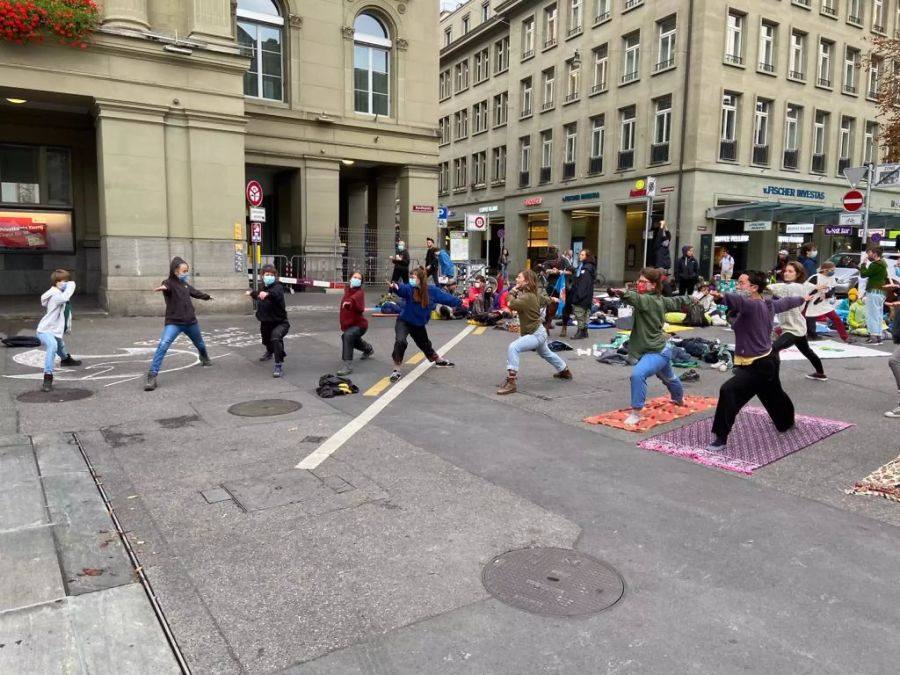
(254, 193)
(853, 200)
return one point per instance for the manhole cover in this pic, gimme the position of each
(553, 581)
(55, 396)
(266, 408)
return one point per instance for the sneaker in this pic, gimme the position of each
(278, 370)
(893, 413)
(367, 355)
(690, 376)
(564, 374)
(819, 377)
(874, 340)
(69, 361)
(150, 384)
(396, 375)
(632, 420)
(679, 403)
(267, 356)
(205, 360)
(717, 445)
(444, 363)
(346, 369)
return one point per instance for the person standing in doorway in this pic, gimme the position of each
(874, 270)
(687, 271)
(503, 262)
(726, 265)
(807, 258)
(431, 264)
(662, 240)
(400, 261)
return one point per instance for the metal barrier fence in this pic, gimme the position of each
(326, 270)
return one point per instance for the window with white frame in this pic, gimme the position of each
(371, 65)
(665, 31)
(626, 129)
(797, 56)
(874, 77)
(501, 55)
(461, 75)
(546, 149)
(573, 79)
(460, 170)
(601, 69)
(829, 7)
(870, 139)
(598, 143)
(761, 131)
(603, 11)
(260, 34)
(528, 37)
(480, 117)
(845, 144)
(444, 178)
(526, 97)
(576, 17)
(551, 25)
(767, 33)
(823, 74)
(525, 154)
(734, 38)
(728, 137)
(498, 161)
(854, 11)
(632, 61)
(878, 15)
(820, 137)
(448, 36)
(570, 150)
(501, 108)
(482, 65)
(446, 85)
(792, 120)
(548, 85)
(851, 66)
(662, 121)
(485, 11)
(461, 122)
(479, 168)
(444, 126)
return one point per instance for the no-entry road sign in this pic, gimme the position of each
(853, 200)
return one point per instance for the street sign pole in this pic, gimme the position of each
(487, 262)
(870, 177)
(647, 222)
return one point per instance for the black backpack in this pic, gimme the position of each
(333, 385)
(22, 341)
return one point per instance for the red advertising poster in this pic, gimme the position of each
(22, 233)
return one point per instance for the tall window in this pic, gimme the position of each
(874, 77)
(820, 136)
(797, 61)
(878, 15)
(767, 47)
(485, 11)
(548, 84)
(571, 143)
(601, 69)
(465, 24)
(446, 85)
(632, 48)
(665, 43)
(448, 36)
(528, 37)
(498, 161)
(662, 130)
(728, 142)
(823, 76)
(482, 65)
(371, 65)
(524, 160)
(871, 135)
(851, 65)
(551, 26)
(444, 178)
(626, 138)
(604, 11)
(573, 79)
(444, 126)
(761, 131)
(479, 168)
(480, 117)
(791, 136)
(461, 120)
(829, 7)
(526, 98)
(260, 28)
(854, 11)
(734, 38)
(845, 145)
(501, 108)
(546, 154)
(501, 55)
(598, 141)
(460, 169)
(461, 75)
(576, 16)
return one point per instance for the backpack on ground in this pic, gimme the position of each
(334, 385)
(21, 341)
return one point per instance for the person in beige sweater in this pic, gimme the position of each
(793, 323)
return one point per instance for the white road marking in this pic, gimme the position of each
(349, 430)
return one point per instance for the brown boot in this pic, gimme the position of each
(564, 332)
(564, 374)
(509, 387)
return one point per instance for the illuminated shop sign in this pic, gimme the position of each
(781, 191)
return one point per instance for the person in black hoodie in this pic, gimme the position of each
(662, 238)
(581, 293)
(180, 317)
(272, 316)
(431, 263)
(401, 265)
(687, 271)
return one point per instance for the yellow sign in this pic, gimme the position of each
(238, 232)
(639, 184)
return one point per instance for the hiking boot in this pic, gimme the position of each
(717, 445)
(444, 363)
(150, 384)
(509, 387)
(205, 360)
(893, 413)
(69, 361)
(267, 356)
(564, 332)
(367, 355)
(564, 374)
(819, 377)
(47, 384)
(278, 370)
(396, 375)
(633, 419)
(346, 369)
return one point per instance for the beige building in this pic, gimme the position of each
(743, 112)
(116, 157)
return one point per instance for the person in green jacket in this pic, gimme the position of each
(875, 272)
(648, 343)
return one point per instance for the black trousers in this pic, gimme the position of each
(786, 340)
(686, 286)
(402, 331)
(272, 333)
(759, 379)
(400, 275)
(352, 339)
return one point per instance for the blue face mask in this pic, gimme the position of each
(400, 247)
(184, 278)
(413, 281)
(268, 279)
(355, 283)
(62, 285)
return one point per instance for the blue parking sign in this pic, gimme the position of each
(443, 213)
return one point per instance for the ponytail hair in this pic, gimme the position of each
(420, 292)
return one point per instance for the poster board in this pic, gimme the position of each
(459, 246)
(44, 231)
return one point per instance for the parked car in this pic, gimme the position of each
(847, 269)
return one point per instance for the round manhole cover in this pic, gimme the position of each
(56, 396)
(269, 407)
(553, 581)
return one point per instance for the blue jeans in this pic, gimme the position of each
(172, 331)
(54, 346)
(659, 364)
(874, 312)
(536, 342)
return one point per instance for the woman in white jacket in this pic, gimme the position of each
(793, 323)
(56, 322)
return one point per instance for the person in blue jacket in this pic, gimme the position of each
(420, 299)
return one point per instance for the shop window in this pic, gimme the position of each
(371, 66)
(260, 29)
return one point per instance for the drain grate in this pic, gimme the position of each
(269, 407)
(553, 581)
(62, 395)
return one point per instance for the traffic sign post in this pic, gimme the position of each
(853, 200)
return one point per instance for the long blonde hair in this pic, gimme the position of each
(420, 292)
(530, 281)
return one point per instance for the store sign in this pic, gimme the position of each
(792, 239)
(581, 197)
(489, 209)
(702, 228)
(666, 189)
(851, 219)
(781, 191)
(799, 228)
(758, 226)
(422, 208)
(22, 233)
(838, 231)
(534, 201)
(732, 238)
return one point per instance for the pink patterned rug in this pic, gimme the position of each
(754, 441)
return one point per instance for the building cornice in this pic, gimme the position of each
(495, 24)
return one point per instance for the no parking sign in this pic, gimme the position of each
(476, 222)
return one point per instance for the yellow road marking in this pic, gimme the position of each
(413, 360)
(378, 387)
(480, 330)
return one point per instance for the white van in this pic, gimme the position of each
(847, 270)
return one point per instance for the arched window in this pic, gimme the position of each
(371, 66)
(260, 28)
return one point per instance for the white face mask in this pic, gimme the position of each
(413, 281)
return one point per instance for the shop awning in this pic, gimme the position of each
(779, 212)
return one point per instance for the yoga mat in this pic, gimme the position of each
(883, 482)
(656, 411)
(668, 328)
(754, 440)
(832, 349)
(382, 314)
(601, 325)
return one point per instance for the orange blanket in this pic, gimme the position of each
(657, 411)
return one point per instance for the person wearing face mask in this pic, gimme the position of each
(401, 264)
(56, 322)
(581, 293)
(431, 262)
(648, 344)
(807, 258)
(354, 324)
(272, 316)
(180, 317)
(822, 306)
(476, 295)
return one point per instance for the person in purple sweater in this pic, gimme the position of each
(756, 366)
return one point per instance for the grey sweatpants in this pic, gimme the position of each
(894, 363)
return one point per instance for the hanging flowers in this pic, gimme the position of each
(67, 21)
